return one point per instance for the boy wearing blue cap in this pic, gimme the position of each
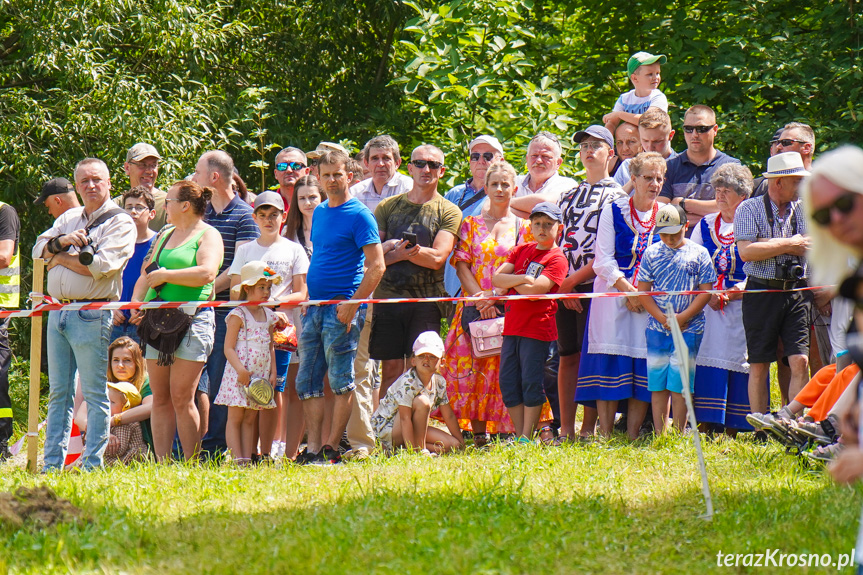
(643, 69)
(533, 268)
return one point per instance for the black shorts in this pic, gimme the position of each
(571, 324)
(395, 326)
(772, 316)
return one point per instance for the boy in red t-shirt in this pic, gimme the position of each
(529, 326)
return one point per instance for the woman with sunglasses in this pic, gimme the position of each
(722, 374)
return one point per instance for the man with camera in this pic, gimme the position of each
(86, 252)
(770, 232)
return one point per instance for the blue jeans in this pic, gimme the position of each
(125, 330)
(214, 440)
(77, 340)
(328, 346)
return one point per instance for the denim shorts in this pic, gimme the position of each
(522, 371)
(198, 342)
(663, 367)
(328, 346)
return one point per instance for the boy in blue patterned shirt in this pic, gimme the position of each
(674, 264)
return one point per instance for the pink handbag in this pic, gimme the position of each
(486, 336)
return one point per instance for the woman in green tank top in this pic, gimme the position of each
(189, 254)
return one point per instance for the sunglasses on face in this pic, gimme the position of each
(699, 129)
(843, 204)
(315, 162)
(788, 142)
(294, 166)
(487, 156)
(421, 164)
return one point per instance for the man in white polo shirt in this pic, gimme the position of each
(541, 183)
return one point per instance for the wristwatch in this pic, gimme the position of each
(683, 204)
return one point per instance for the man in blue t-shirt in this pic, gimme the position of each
(141, 205)
(687, 180)
(347, 264)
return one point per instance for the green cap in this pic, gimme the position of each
(642, 58)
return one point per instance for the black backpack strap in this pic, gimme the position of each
(476, 197)
(106, 215)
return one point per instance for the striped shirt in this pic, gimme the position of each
(235, 224)
(750, 224)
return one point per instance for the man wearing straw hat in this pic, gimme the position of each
(770, 232)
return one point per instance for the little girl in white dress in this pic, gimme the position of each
(250, 354)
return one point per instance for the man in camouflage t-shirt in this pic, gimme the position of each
(418, 231)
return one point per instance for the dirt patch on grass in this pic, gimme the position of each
(38, 506)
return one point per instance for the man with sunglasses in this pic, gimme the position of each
(418, 230)
(291, 165)
(483, 151)
(793, 137)
(142, 167)
(687, 181)
(322, 149)
(770, 232)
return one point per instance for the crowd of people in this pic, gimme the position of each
(254, 381)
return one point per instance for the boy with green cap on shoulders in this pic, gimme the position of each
(643, 69)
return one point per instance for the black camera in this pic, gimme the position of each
(790, 271)
(85, 256)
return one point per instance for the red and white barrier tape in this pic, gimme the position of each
(53, 305)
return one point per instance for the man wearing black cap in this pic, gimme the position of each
(58, 195)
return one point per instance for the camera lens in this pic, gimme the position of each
(85, 256)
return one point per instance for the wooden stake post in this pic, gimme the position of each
(35, 366)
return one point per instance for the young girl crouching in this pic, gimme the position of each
(250, 354)
(402, 418)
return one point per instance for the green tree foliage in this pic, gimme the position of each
(469, 69)
(82, 78)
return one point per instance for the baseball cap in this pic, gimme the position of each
(54, 187)
(485, 139)
(270, 199)
(642, 58)
(670, 219)
(548, 209)
(325, 147)
(429, 342)
(140, 151)
(596, 131)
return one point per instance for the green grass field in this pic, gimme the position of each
(609, 507)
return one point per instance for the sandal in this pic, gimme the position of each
(546, 435)
(480, 440)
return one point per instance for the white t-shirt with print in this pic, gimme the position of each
(633, 104)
